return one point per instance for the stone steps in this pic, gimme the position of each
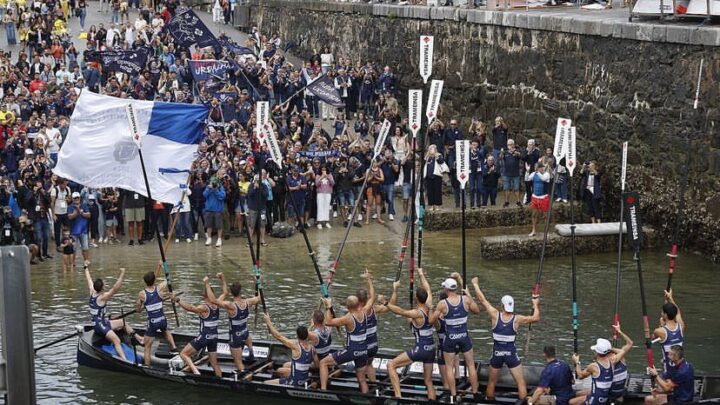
(493, 217)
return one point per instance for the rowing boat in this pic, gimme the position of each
(96, 352)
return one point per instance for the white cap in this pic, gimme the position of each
(602, 346)
(76, 195)
(29, 152)
(450, 284)
(508, 303)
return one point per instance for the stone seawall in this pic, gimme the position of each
(616, 80)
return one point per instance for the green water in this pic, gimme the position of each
(60, 301)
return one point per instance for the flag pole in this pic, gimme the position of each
(136, 138)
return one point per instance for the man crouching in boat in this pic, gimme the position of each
(355, 325)
(208, 312)
(98, 303)
(238, 312)
(504, 331)
(303, 356)
(455, 310)
(151, 297)
(423, 330)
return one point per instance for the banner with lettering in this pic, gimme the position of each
(632, 218)
(203, 70)
(436, 87)
(426, 56)
(188, 29)
(414, 111)
(120, 60)
(324, 89)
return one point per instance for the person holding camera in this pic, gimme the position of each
(214, 195)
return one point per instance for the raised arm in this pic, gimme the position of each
(439, 311)
(678, 318)
(196, 309)
(426, 287)
(394, 308)
(279, 336)
(535, 317)
(472, 305)
(492, 312)
(371, 290)
(621, 352)
(209, 291)
(224, 287)
(583, 373)
(329, 319)
(88, 277)
(116, 287)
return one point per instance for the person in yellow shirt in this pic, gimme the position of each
(65, 5)
(59, 27)
(6, 117)
(242, 207)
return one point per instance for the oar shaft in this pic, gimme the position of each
(411, 220)
(421, 211)
(575, 321)
(157, 236)
(463, 248)
(646, 321)
(56, 341)
(255, 260)
(616, 317)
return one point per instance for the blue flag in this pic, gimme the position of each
(188, 29)
(120, 60)
(235, 48)
(203, 70)
(324, 89)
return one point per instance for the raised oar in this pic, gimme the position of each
(258, 224)
(683, 185)
(171, 231)
(541, 262)
(403, 249)
(379, 142)
(255, 259)
(136, 137)
(623, 171)
(635, 233)
(411, 222)
(575, 322)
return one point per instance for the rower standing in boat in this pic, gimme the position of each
(303, 355)
(455, 310)
(238, 312)
(320, 336)
(440, 329)
(504, 331)
(677, 384)
(209, 313)
(620, 372)
(424, 350)
(151, 297)
(556, 381)
(98, 303)
(601, 371)
(672, 328)
(371, 338)
(355, 325)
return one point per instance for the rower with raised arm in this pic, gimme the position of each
(601, 370)
(371, 317)
(238, 312)
(209, 313)
(424, 350)
(355, 325)
(98, 304)
(455, 310)
(505, 324)
(303, 356)
(620, 372)
(672, 327)
(151, 298)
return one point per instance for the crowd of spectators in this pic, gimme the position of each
(234, 182)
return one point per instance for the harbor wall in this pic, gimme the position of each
(617, 81)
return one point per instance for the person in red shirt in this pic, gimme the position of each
(36, 84)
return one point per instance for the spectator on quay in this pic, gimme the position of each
(490, 177)
(38, 213)
(59, 201)
(561, 187)
(297, 184)
(477, 132)
(530, 157)
(406, 163)
(388, 81)
(540, 198)
(93, 228)
(343, 84)
(134, 215)
(67, 245)
(79, 215)
(400, 144)
(434, 163)
(362, 128)
(197, 203)
(214, 195)
(241, 208)
(391, 168)
(324, 183)
(500, 137)
(510, 159)
(257, 201)
(477, 157)
(374, 192)
(436, 136)
(591, 186)
(452, 134)
(27, 234)
(182, 226)
(111, 210)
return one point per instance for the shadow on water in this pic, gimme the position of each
(60, 301)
